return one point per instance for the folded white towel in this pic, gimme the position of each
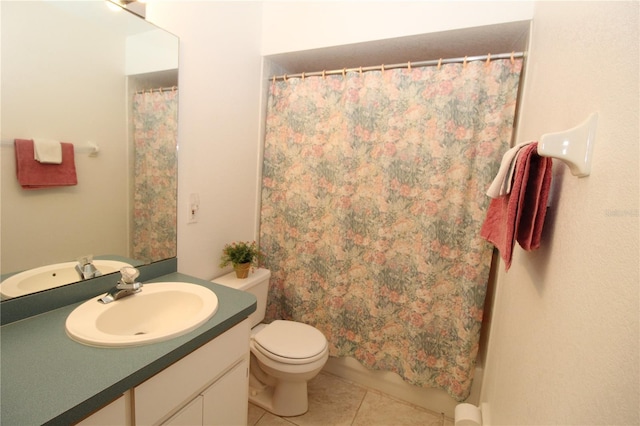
(501, 184)
(47, 151)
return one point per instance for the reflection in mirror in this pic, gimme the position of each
(81, 73)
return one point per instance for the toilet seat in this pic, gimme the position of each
(290, 342)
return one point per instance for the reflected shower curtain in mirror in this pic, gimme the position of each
(373, 195)
(155, 121)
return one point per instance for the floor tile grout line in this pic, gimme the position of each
(359, 406)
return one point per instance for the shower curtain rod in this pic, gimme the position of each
(159, 89)
(435, 62)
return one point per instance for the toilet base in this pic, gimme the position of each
(285, 399)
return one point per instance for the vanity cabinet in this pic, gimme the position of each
(209, 386)
(218, 404)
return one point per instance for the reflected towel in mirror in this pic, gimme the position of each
(35, 175)
(47, 151)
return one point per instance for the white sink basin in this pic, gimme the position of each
(161, 311)
(51, 276)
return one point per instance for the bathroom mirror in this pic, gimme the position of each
(70, 71)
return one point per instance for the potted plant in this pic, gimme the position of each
(242, 255)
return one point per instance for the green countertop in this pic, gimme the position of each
(47, 378)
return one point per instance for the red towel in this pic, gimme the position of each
(35, 175)
(519, 216)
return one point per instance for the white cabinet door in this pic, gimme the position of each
(167, 392)
(226, 401)
(191, 415)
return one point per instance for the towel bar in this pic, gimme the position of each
(91, 148)
(573, 146)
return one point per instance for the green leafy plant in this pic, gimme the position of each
(240, 252)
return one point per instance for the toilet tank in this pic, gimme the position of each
(257, 283)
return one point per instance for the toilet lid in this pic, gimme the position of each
(290, 339)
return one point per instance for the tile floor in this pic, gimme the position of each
(335, 401)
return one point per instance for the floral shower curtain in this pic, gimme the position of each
(155, 121)
(373, 197)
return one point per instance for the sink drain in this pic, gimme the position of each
(140, 333)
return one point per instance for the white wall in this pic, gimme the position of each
(291, 26)
(564, 339)
(218, 134)
(151, 51)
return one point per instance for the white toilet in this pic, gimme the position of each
(284, 354)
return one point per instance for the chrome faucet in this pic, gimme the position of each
(126, 286)
(86, 268)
